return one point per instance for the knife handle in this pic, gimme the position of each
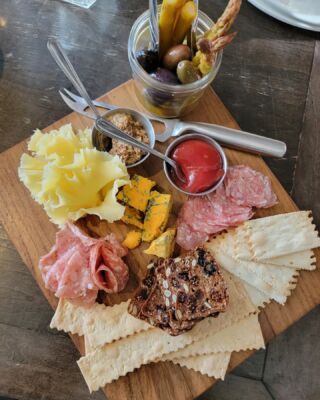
(238, 139)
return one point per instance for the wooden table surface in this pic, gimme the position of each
(270, 82)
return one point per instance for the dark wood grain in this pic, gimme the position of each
(306, 188)
(263, 80)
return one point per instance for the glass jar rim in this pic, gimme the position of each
(190, 87)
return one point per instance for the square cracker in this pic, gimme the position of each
(214, 365)
(245, 334)
(272, 280)
(282, 234)
(116, 359)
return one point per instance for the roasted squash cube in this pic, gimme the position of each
(136, 194)
(163, 246)
(132, 240)
(157, 215)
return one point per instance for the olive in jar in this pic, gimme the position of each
(163, 75)
(148, 59)
(187, 72)
(176, 54)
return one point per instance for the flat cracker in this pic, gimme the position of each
(241, 249)
(116, 359)
(258, 298)
(99, 323)
(214, 365)
(106, 324)
(300, 260)
(282, 234)
(245, 334)
(252, 273)
(270, 279)
(69, 317)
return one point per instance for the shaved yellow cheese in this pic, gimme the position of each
(70, 178)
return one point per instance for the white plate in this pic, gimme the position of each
(301, 13)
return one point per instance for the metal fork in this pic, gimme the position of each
(79, 105)
(229, 137)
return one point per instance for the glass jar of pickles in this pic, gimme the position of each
(163, 96)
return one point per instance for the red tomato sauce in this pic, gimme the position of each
(201, 164)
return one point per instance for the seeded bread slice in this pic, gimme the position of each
(176, 293)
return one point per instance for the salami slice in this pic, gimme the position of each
(108, 270)
(247, 187)
(230, 205)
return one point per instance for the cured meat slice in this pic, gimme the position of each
(78, 265)
(245, 186)
(188, 238)
(230, 205)
(108, 270)
(204, 216)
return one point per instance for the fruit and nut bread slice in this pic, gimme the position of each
(178, 292)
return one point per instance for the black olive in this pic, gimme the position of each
(163, 75)
(148, 59)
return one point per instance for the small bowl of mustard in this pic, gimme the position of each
(133, 124)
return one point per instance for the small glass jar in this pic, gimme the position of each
(159, 98)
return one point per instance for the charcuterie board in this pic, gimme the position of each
(33, 235)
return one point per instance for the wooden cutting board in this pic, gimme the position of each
(33, 235)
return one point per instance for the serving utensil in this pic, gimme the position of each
(102, 124)
(229, 137)
(193, 30)
(153, 25)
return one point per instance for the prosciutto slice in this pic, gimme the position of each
(73, 268)
(230, 205)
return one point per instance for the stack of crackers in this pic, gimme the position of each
(260, 259)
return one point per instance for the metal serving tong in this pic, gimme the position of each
(101, 124)
(229, 137)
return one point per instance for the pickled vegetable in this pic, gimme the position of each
(187, 14)
(168, 14)
(187, 72)
(223, 24)
(176, 54)
(216, 38)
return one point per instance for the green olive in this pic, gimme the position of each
(176, 54)
(187, 72)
